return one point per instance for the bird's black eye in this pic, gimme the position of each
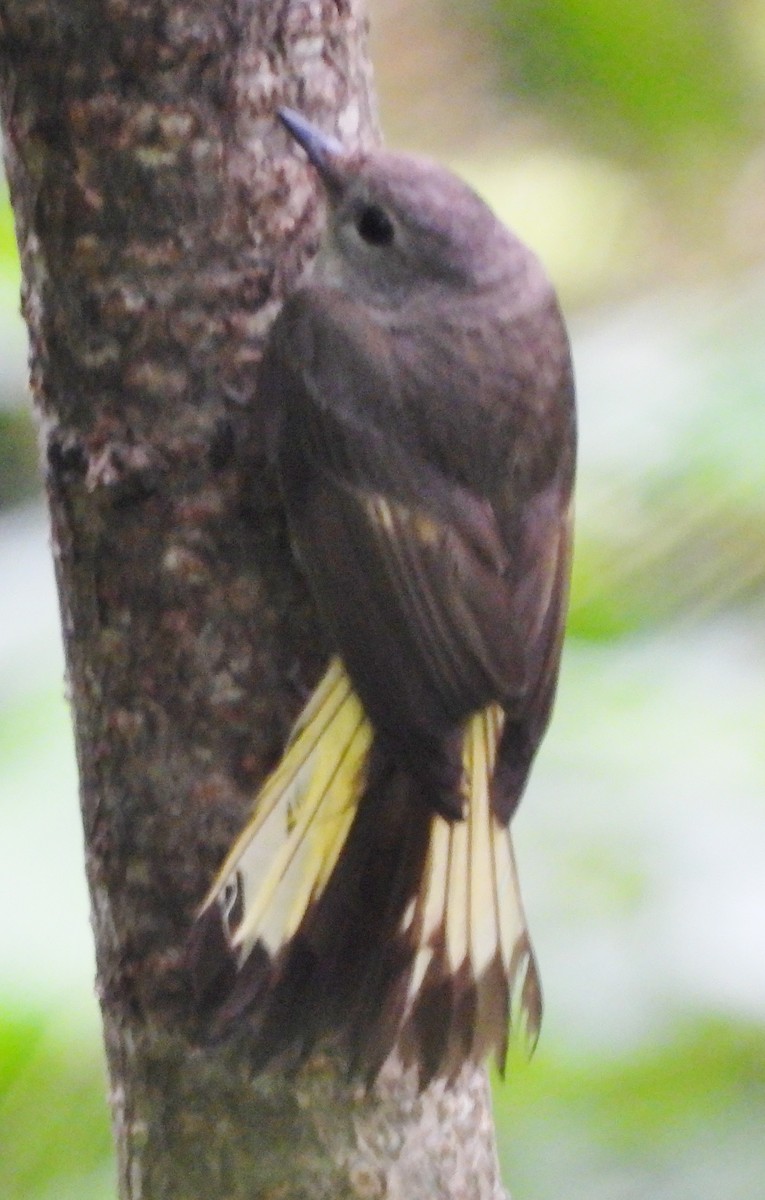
(374, 226)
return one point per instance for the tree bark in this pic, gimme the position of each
(161, 214)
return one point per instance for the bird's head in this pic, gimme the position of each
(397, 224)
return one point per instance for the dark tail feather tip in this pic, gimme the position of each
(209, 962)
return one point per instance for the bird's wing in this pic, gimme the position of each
(400, 577)
(429, 603)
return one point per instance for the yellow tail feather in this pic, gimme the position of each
(281, 861)
(461, 935)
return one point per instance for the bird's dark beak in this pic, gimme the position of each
(324, 151)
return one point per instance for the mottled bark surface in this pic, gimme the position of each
(161, 214)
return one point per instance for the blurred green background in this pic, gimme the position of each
(626, 142)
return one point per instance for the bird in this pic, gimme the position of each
(419, 390)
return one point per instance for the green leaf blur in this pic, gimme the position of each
(9, 257)
(54, 1128)
(650, 74)
(669, 1124)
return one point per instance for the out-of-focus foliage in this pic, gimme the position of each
(674, 526)
(652, 76)
(55, 1142)
(8, 251)
(626, 142)
(676, 1123)
(19, 475)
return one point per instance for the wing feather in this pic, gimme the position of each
(435, 590)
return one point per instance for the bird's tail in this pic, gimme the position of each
(349, 910)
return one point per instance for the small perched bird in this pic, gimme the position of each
(420, 387)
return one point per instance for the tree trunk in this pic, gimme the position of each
(161, 214)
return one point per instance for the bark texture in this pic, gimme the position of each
(161, 215)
